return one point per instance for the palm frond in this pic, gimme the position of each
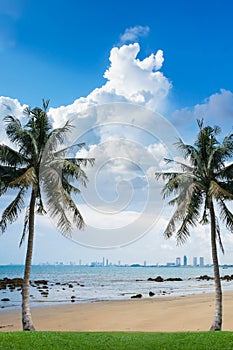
(226, 215)
(21, 137)
(219, 234)
(40, 205)
(71, 206)
(204, 219)
(11, 213)
(228, 143)
(226, 172)
(68, 187)
(191, 215)
(25, 227)
(176, 217)
(177, 184)
(57, 136)
(63, 150)
(187, 212)
(72, 170)
(11, 157)
(59, 203)
(26, 179)
(218, 191)
(183, 166)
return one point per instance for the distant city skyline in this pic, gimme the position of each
(105, 262)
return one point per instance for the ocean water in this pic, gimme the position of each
(89, 284)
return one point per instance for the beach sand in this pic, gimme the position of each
(187, 313)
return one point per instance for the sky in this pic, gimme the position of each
(132, 77)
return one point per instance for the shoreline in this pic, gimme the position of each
(158, 314)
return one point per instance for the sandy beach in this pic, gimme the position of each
(188, 313)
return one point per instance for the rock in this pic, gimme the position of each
(227, 278)
(151, 294)
(174, 279)
(12, 283)
(205, 278)
(41, 282)
(137, 296)
(156, 279)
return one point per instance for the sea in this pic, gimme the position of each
(82, 284)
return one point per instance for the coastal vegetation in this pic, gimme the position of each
(116, 340)
(201, 189)
(21, 172)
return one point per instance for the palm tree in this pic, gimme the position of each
(200, 186)
(24, 169)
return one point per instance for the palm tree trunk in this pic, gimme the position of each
(217, 321)
(26, 312)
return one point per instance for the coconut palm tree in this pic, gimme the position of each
(203, 184)
(36, 164)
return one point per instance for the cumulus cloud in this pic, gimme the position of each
(9, 106)
(133, 33)
(129, 79)
(215, 109)
(138, 81)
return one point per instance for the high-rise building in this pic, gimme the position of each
(195, 261)
(185, 260)
(202, 261)
(178, 263)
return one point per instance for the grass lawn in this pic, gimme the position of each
(115, 340)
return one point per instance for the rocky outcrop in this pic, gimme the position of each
(11, 283)
(156, 279)
(161, 279)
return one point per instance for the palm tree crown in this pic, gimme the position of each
(201, 184)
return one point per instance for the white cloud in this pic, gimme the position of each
(216, 109)
(138, 81)
(9, 106)
(128, 80)
(133, 33)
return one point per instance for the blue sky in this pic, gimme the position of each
(171, 57)
(60, 49)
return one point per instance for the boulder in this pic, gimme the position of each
(137, 296)
(205, 278)
(174, 279)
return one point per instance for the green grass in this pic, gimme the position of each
(115, 341)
